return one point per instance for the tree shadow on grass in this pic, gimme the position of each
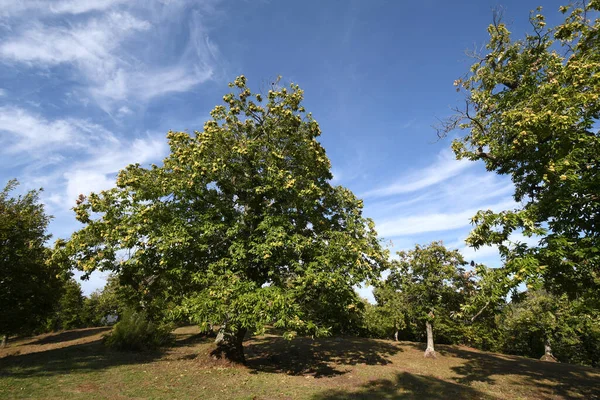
(406, 386)
(76, 352)
(550, 379)
(67, 336)
(322, 357)
(80, 358)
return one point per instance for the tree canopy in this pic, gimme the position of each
(240, 227)
(29, 283)
(428, 278)
(532, 111)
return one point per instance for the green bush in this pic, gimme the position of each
(134, 332)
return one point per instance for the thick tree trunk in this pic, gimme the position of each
(4, 341)
(430, 350)
(548, 356)
(230, 346)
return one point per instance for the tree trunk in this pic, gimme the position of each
(548, 356)
(230, 345)
(430, 350)
(4, 341)
(396, 336)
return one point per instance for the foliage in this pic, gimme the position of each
(425, 284)
(107, 304)
(69, 312)
(28, 281)
(571, 328)
(429, 278)
(532, 112)
(240, 227)
(389, 317)
(135, 332)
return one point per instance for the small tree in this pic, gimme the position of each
(28, 281)
(240, 228)
(427, 277)
(392, 308)
(69, 312)
(537, 323)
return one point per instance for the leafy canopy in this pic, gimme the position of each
(536, 317)
(532, 112)
(427, 278)
(240, 226)
(29, 283)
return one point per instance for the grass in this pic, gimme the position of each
(75, 365)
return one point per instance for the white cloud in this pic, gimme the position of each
(485, 254)
(79, 7)
(114, 50)
(445, 167)
(85, 182)
(15, 8)
(84, 156)
(99, 170)
(435, 222)
(146, 85)
(89, 45)
(124, 110)
(21, 130)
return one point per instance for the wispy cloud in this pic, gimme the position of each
(98, 172)
(445, 167)
(16, 8)
(111, 45)
(487, 254)
(85, 156)
(89, 45)
(24, 131)
(435, 222)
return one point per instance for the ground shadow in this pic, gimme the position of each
(406, 386)
(552, 379)
(75, 351)
(67, 336)
(80, 358)
(322, 357)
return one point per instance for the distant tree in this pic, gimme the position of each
(428, 277)
(392, 308)
(532, 112)
(537, 323)
(28, 281)
(240, 228)
(106, 305)
(69, 312)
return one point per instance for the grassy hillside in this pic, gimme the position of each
(75, 365)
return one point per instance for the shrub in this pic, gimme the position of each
(135, 332)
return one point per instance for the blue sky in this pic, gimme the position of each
(89, 86)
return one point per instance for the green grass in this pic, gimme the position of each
(76, 365)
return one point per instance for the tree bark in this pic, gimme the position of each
(430, 350)
(4, 341)
(548, 356)
(230, 345)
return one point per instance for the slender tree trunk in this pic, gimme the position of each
(430, 350)
(548, 356)
(230, 345)
(396, 336)
(4, 341)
